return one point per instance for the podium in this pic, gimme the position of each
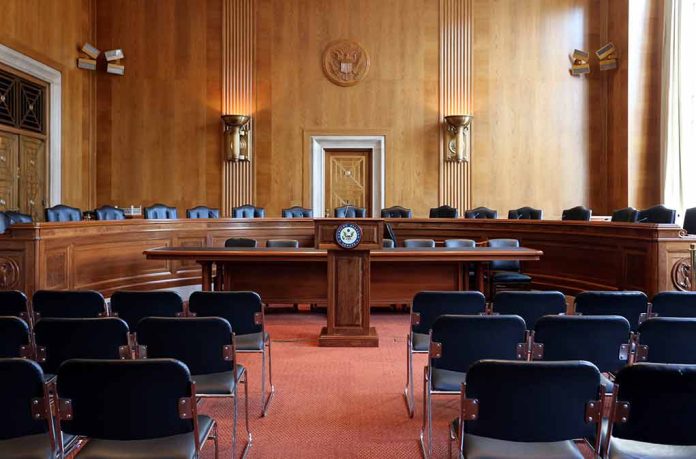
(348, 243)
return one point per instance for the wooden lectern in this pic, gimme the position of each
(348, 269)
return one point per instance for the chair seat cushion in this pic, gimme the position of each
(620, 448)
(511, 277)
(476, 447)
(28, 447)
(250, 341)
(421, 342)
(217, 383)
(447, 380)
(180, 446)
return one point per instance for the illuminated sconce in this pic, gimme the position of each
(579, 62)
(91, 62)
(607, 57)
(236, 130)
(113, 64)
(457, 137)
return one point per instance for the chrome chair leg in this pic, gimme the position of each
(409, 389)
(250, 438)
(426, 428)
(267, 400)
(215, 440)
(234, 420)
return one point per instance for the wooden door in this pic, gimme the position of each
(32, 176)
(9, 150)
(348, 179)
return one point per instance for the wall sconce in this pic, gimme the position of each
(579, 62)
(607, 57)
(235, 128)
(457, 136)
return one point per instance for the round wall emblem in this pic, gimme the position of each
(345, 62)
(348, 235)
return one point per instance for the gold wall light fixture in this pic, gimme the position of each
(90, 62)
(579, 62)
(457, 137)
(607, 57)
(113, 62)
(236, 132)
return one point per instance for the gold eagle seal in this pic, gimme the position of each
(345, 62)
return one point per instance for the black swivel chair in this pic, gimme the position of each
(579, 213)
(202, 212)
(667, 340)
(396, 212)
(297, 212)
(132, 307)
(631, 305)
(68, 304)
(526, 213)
(18, 217)
(15, 339)
(14, 303)
(506, 273)
(248, 211)
(160, 211)
(627, 215)
(241, 242)
(62, 213)
(133, 408)
(287, 243)
(531, 306)
(657, 214)
(674, 304)
(419, 243)
(690, 221)
(444, 212)
(481, 213)
(350, 212)
(109, 213)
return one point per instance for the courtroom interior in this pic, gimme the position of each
(347, 229)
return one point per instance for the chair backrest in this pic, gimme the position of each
(68, 303)
(579, 213)
(419, 243)
(460, 243)
(109, 213)
(662, 403)
(597, 339)
(628, 304)
(350, 212)
(18, 217)
(444, 212)
(657, 214)
(199, 342)
(430, 305)
(241, 242)
(481, 212)
(526, 213)
(202, 212)
(387, 243)
(62, 213)
(4, 222)
(396, 212)
(674, 304)
(667, 340)
(532, 401)
(530, 305)
(690, 221)
(389, 233)
(290, 243)
(58, 340)
(14, 337)
(21, 383)
(13, 303)
(297, 212)
(468, 339)
(134, 306)
(240, 309)
(504, 265)
(160, 211)
(125, 399)
(248, 211)
(626, 215)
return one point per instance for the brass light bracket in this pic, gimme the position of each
(457, 137)
(236, 135)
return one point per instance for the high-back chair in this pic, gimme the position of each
(206, 346)
(14, 303)
(456, 342)
(396, 212)
(657, 214)
(68, 304)
(460, 243)
(109, 213)
(202, 212)
(18, 217)
(297, 212)
(674, 304)
(387, 243)
(132, 408)
(63, 213)
(26, 426)
(526, 213)
(15, 338)
(244, 312)
(444, 211)
(350, 212)
(288, 243)
(654, 412)
(628, 304)
(531, 306)
(626, 215)
(425, 309)
(690, 221)
(667, 340)
(530, 410)
(481, 213)
(241, 242)
(578, 213)
(506, 273)
(132, 306)
(248, 211)
(419, 243)
(4, 222)
(160, 211)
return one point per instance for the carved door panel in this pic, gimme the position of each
(348, 179)
(32, 176)
(8, 170)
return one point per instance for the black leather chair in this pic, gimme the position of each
(288, 243)
(674, 304)
(657, 412)
(579, 213)
(530, 410)
(350, 212)
(667, 340)
(241, 242)
(690, 221)
(134, 408)
(160, 211)
(531, 306)
(506, 273)
(244, 311)
(425, 309)
(389, 233)
(456, 342)
(15, 339)
(460, 243)
(396, 212)
(71, 304)
(206, 345)
(419, 243)
(657, 214)
(132, 307)
(387, 243)
(14, 303)
(526, 213)
(628, 304)
(109, 213)
(444, 212)
(297, 212)
(481, 212)
(627, 215)
(62, 213)
(248, 211)
(26, 426)
(18, 217)
(202, 212)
